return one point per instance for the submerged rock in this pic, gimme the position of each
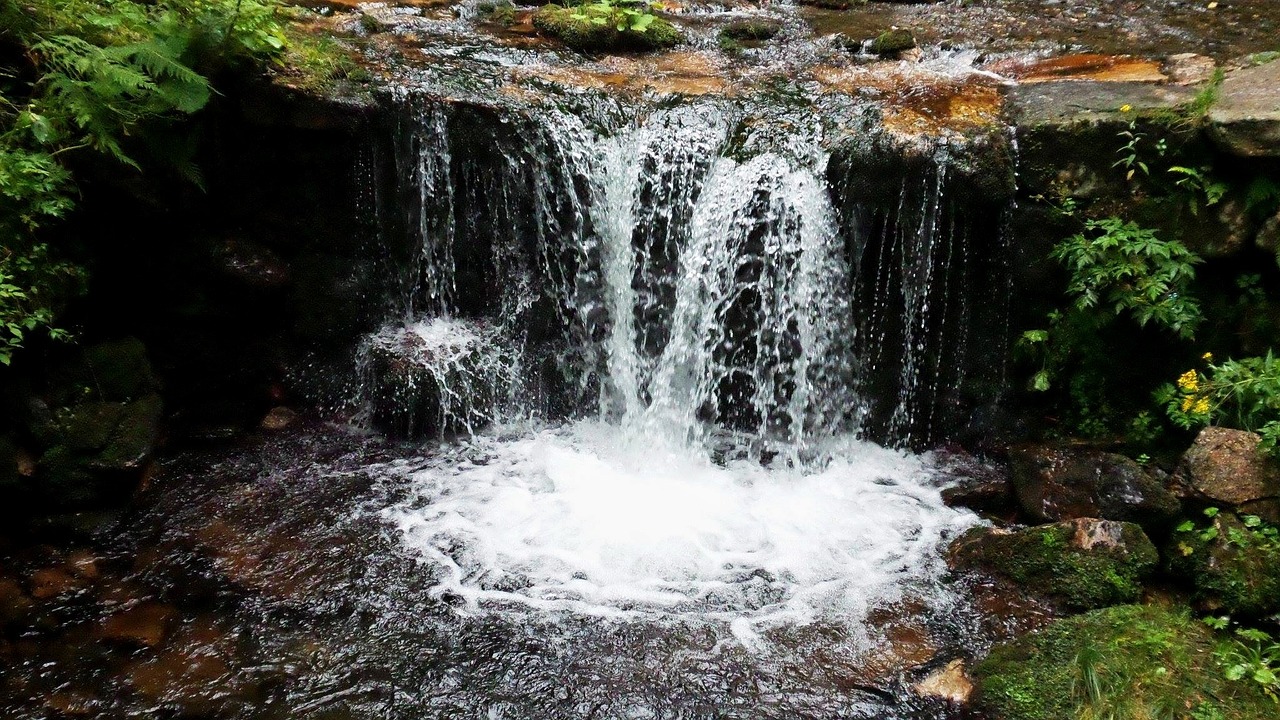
(1085, 563)
(1058, 483)
(1227, 467)
(951, 683)
(585, 29)
(1143, 657)
(892, 43)
(1233, 563)
(1245, 120)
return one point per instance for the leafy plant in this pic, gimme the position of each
(624, 15)
(1254, 656)
(1200, 186)
(1120, 268)
(1244, 394)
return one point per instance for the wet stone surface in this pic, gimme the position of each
(252, 582)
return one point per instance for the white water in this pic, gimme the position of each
(592, 519)
(725, 291)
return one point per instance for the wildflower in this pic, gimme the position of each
(1187, 402)
(1126, 107)
(1207, 357)
(1189, 381)
(1201, 406)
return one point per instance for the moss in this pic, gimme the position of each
(751, 30)
(892, 42)
(581, 33)
(319, 62)
(1129, 661)
(1234, 568)
(1047, 558)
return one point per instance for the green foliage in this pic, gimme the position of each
(1128, 662)
(1254, 656)
(1120, 268)
(1243, 394)
(97, 76)
(607, 25)
(1233, 561)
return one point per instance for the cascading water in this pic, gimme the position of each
(690, 268)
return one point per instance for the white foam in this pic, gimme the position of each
(584, 520)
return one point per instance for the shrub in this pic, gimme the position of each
(607, 26)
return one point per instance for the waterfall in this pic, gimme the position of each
(687, 271)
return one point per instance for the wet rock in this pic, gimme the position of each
(892, 43)
(119, 371)
(950, 683)
(72, 703)
(1189, 68)
(749, 30)
(1268, 237)
(1059, 483)
(53, 582)
(1085, 563)
(976, 484)
(1221, 230)
(278, 418)
(1245, 120)
(83, 564)
(904, 642)
(586, 35)
(251, 265)
(144, 624)
(1226, 467)
(1232, 561)
(14, 603)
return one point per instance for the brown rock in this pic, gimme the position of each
(950, 683)
(278, 419)
(1189, 68)
(83, 564)
(1061, 483)
(52, 582)
(72, 702)
(1246, 118)
(144, 624)
(1226, 467)
(14, 603)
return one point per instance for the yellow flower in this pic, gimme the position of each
(1189, 381)
(1126, 107)
(1202, 406)
(1187, 402)
(1207, 357)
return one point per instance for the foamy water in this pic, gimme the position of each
(585, 520)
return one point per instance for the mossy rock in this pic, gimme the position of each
(1234, 566)
(1138, 662)
(751, 30)
(596, 30)
(1083, 563)
(892, 42)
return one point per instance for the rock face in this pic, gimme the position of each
(1054, 483)
(1225, 467)
(1246, 118)
(951, 683)
(1085, 563)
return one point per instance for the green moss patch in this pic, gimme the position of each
(1066, 560)
(1130, 661)
(595, 28)
(1233, 562)
(892, 42)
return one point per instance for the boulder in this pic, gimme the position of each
(975, 484)
(1083, 563)
(1226, 467)
(1060, 483)
(1233, 562)
(599, 33)
(278, 418)
(892, 43)
(950, 683)
(1245, 120)
(1188, 68)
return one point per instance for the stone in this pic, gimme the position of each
(119, 370)
(950, 683)
(891, 43)
(14, 603)
(975, 484)
(144, 624)
(1084, 563)
(53, 582)
(1268, 237)
(1189, 68)
(1061, 483)
(1245, 119)
(1226, 467)
(278, 418)
(133, 442)
(586, 36)
(83, 564)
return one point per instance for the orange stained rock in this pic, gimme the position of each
(1083, 66)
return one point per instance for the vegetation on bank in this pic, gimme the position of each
(1131, 662)
(607, 25)
(108, 87)
(1129, 357)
